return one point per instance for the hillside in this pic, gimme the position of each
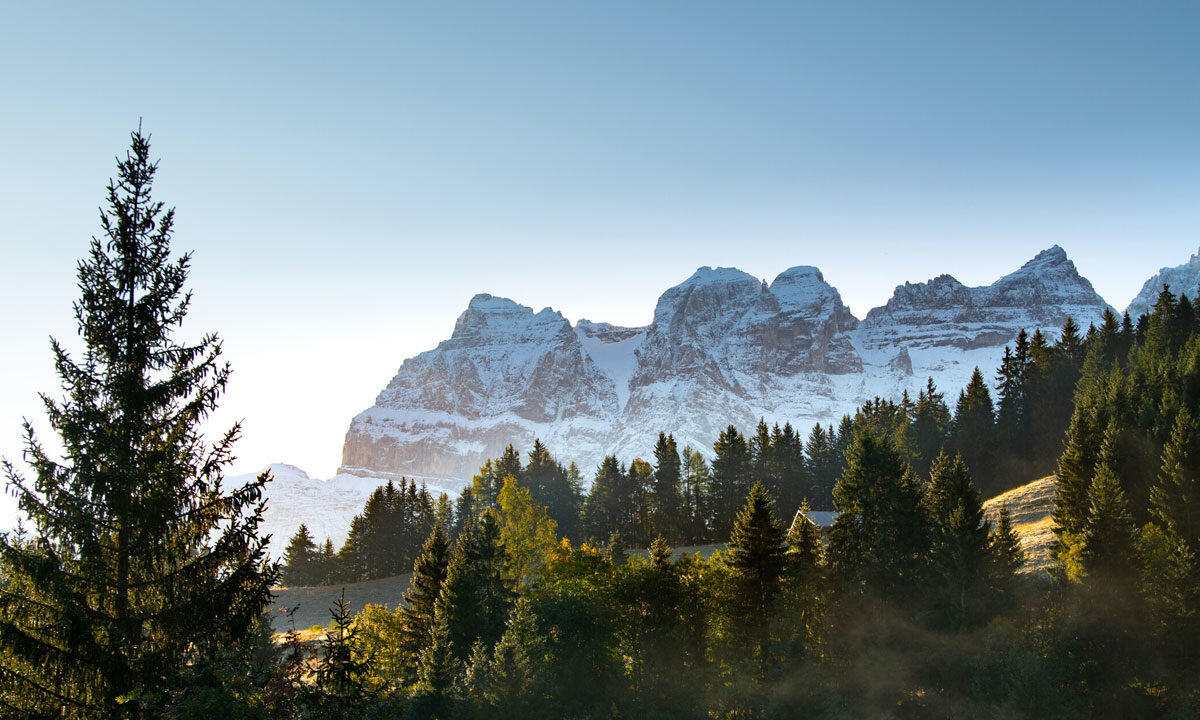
(1032, 508)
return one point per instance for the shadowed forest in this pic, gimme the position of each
(137, 586)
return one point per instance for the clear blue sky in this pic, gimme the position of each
(349, 174)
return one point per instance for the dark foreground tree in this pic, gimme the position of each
(756, 554)
(301, 559)
(428, 576)
(138, 561)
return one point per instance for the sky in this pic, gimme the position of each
(348, 175)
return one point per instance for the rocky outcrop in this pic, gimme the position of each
(505, 375)
(1182, 280)
(945, 313)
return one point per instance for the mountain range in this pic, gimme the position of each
(723, 347)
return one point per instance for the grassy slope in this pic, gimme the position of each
(312, 603)
(1031, 507)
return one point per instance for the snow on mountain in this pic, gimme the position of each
(1182, 279)
(506, 374)
(944, 329)
(325, 506)
(723, 347)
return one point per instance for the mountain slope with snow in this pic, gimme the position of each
(1182, 279)
(723, 347)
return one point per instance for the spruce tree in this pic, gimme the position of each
(960, 536)
(475, 599)
(731, 479)
(930, 425)
(428, 577)
(973, 432)
(795, 477)
(1108, 535)
(660, 553)
(667, 500)
(1076, 467)
(825, 463)
(138, 559)
(300, 559)
(608, 508)
(326, 563)
(437, 671)
(341, 672)
(1175, 498)
(637, 498)
(1007, 553)
(804, 541)
(881, 535)
(757, 557)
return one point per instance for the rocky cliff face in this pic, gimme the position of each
(723, 347)
(945, 313)
(505, 375)
(1182, 280)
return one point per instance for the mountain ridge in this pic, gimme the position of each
(722, 347)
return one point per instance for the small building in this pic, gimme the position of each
(823, 519)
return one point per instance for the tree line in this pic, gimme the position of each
(690, 501)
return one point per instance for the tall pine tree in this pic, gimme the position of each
(757, 556)
(139, 558)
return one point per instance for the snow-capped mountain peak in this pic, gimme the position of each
(1182, 280)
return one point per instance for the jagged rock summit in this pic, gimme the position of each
(723, 347)
(944, 312)
(1182, 280)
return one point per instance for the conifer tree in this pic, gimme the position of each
(763, 461)
(881, 535)
(1007, 553)
(696, 479)
(617, 548)
(500, 683)
(300, 559)
(930, 425)
(757, 556)
(437, 670)
(550, 484)
(138, 560)
(1175, 498)
(667, 500)
(960, 536)
(1108, 535)
(973, 432)
(825, 463)
(804, 541)
(608, 507)
(327, 563)
(660, 553)
(428, 577)
(638, 495)
(340, 672)
(444, 513)
(731, 479)
(475, 598)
